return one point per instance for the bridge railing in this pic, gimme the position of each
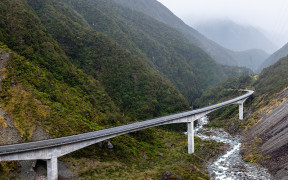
(128, 127)
(53, 148)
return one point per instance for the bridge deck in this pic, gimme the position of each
(15, 148)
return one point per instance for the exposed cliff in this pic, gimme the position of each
(268, 135)
(271, 133)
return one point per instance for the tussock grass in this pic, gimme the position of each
(3, 122)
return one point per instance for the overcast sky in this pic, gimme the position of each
(268, 15)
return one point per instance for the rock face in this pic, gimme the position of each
(106, 144)
(4, 56)
(39, 134)
(10, 135)
(146, 156)
(273, 131)
(169, 175)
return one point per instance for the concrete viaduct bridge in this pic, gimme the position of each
(51, 149)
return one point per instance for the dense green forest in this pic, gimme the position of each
(220, 54)
(80, 66)
(137, 90)
(68, 78)
(273, 79)
(32, 96)
(225, 90)
(187, 66)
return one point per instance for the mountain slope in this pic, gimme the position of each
(125, 160)
(264, 127)
(274, 57)
(272, 114)
(188, 67)
(47, 90)
(81, 102)
(131, 79)
(235, 36)
(67, 78)
(156, 10)
(252, 58)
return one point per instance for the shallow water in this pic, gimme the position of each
(229, 166)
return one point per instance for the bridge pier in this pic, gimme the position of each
(241, 110)
(241, 107)
(51, 149)
(190, 133)
(52, 168)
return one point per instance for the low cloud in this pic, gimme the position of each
(266, 15)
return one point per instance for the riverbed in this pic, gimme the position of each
(229, 166)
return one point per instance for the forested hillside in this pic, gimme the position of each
(32, 96)
(220, 54)
(156, 10)
(132, 86)
(188, 67)
(126, 78)
(62, 74)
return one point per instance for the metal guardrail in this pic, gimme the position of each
(37, 145)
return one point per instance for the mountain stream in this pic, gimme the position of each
(229, 166)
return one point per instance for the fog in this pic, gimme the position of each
(269, 16)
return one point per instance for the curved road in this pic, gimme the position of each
(51, 149)
(24, 147)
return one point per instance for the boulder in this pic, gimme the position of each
(170, 175)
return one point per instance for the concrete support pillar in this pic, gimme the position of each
(190, 133)
(241, 111)
(52, 169)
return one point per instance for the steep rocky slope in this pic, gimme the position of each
(265, 125)
(269, 134)
(8, 133)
